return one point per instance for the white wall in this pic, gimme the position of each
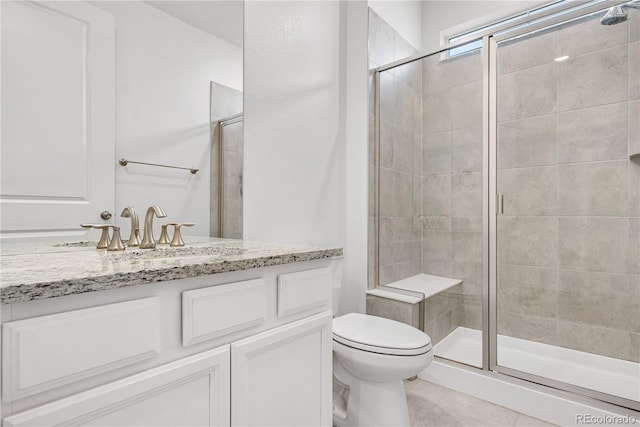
(293, 150)
(405, 16)
(439, 15)
(163, 70)
(354, 90)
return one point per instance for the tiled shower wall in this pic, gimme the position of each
(400, 168)
(569, 239)
(428, 203)
(452, 188)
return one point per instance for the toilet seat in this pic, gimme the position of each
(379, 335)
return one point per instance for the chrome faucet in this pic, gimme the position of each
(148, 242)
(134, 236)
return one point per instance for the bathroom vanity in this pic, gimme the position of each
(221, 332)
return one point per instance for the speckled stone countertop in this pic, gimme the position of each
(47, 270)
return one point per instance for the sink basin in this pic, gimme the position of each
(168, 252)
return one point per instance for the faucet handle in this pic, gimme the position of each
(116, 241)
(164, 236)
(104, 241)
(177, 237)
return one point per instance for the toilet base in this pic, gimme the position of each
(364, 408)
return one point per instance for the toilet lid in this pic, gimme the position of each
(379, 335)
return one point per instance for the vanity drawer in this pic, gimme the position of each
(215, 311)
(45, 352)
(304, 290)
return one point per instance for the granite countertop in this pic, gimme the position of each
(47, 270)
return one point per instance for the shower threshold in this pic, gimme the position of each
(605, 374)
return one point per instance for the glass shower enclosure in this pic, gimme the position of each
(510, 160)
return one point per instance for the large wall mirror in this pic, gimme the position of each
(169, 94)
(208, 37)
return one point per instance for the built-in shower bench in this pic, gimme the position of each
(403, 300)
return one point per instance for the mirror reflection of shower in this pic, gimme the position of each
(226, 162)
(617, 14)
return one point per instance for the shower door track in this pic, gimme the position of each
(491, 37)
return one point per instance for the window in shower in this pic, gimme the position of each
(568, 221)
(431, 192)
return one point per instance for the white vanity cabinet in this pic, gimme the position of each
(210, 350)
(193, 391)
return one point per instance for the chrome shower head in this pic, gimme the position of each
(617, 14)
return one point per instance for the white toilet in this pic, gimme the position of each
(371, 356)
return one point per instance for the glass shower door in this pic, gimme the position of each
(430, 193)
(567, 223)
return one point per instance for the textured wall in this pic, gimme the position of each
(293, 152)
(569, 239)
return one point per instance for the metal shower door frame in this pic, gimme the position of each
(491, 38)
(492, 307)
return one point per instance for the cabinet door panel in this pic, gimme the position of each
(282, 377)
(58, 117)
(193, 391)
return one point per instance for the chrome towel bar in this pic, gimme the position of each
(124, 162)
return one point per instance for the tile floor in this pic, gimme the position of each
(432, 405)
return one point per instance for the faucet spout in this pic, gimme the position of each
(148, 242)
(134, 236)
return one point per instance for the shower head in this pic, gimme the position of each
(617, 14)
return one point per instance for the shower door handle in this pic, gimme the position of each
(500, 203)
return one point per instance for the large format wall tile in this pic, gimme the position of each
(594, 339)
(436, 116)
(530, 300)
(526, 52)
(593, 134)
(435, 74)
(587, 35)
(410, 74)
(601, 299)
(634, 70)
(634, 188)
(466, 150)
(598, 189)
(466, 246)
(381, 40)
(472, 316)
(595, 79)
(436, 195)
(526, 327)
(527, 93)
(465, 68)
(436, 246)
(391, 309)
(527, 142)
(634, 350)
(466, 194)
(634, 25)
(633, 257)
(594, 244)
(436, 153)
(528, 241)
(466, 105)
(386, 194)
(402, 194)
(528, 191)
(514, 276)
(634, 127)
